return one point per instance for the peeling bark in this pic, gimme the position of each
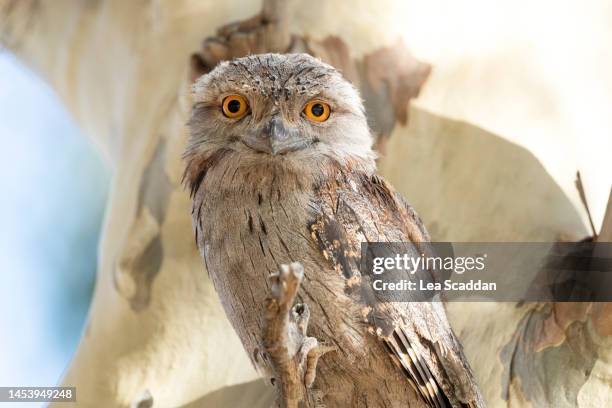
(559, 342)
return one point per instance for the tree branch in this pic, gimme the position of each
(292, 354)
(581, 193)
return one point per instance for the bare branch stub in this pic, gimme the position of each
(292, 354)
(582, 194)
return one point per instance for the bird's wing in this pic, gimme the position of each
(359, 208)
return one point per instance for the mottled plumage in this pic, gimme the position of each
(273, 187)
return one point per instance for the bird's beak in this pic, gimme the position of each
(277, 138)
(281, 138)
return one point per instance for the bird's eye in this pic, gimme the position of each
(317, 111)
(234, 106)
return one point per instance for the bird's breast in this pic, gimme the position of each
(244, 240)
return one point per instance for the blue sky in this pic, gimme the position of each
(53, 188)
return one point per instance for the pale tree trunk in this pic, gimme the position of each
(156, 333)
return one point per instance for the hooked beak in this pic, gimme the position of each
(276, 138)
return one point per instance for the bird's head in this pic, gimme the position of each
(288, 110)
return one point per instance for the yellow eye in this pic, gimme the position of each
(234, 106)
(317, 111)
